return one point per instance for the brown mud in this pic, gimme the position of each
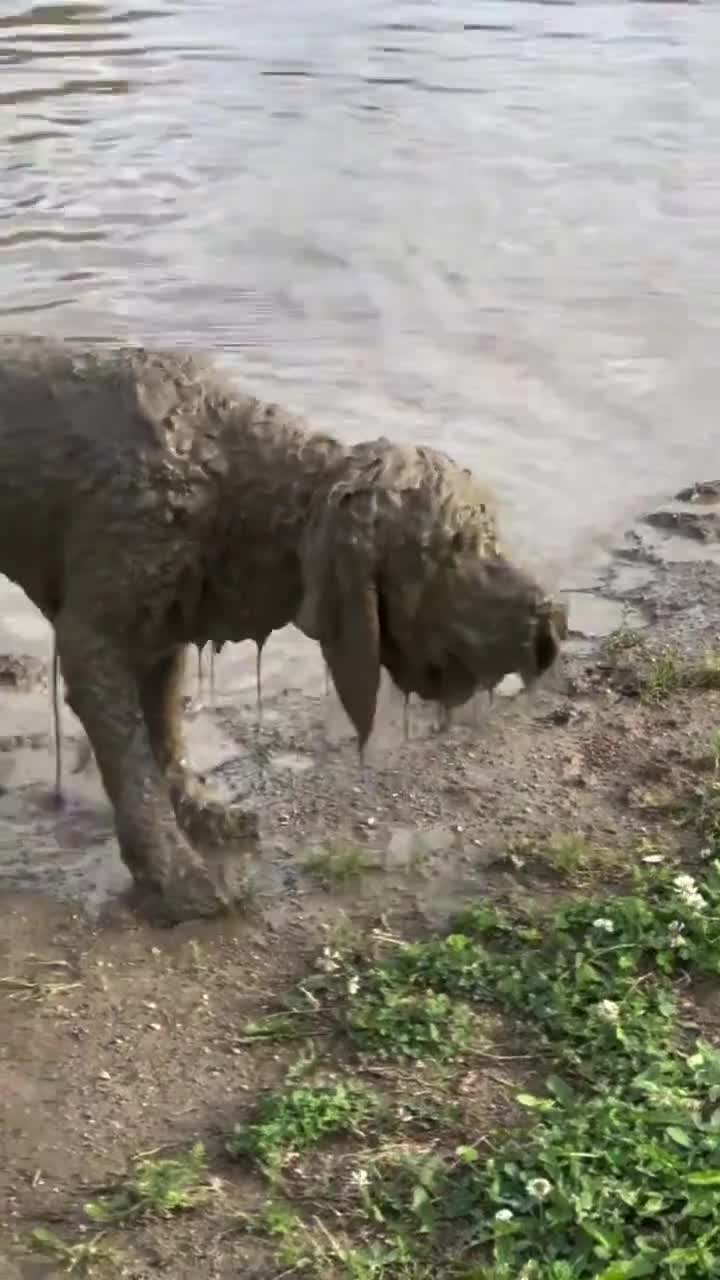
(119, 1036)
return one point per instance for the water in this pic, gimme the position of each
(492, 227)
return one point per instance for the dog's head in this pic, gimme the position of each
(402, 569)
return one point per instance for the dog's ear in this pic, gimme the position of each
(340, 606)
(552, 627)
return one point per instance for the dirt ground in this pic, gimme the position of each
(118, 1036)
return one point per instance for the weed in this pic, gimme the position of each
(566, 854)
(273, 1026)
(484, 922)
(706, 673)
(573, 972)
(703, 814)
(293, 1240)
(345, 934)
(296, 1119)
(315, 1250)
(303, 1066)
(339, 864)
(198, 957)
(622, 640)
(668, 673)
(74, 1258)
(625, 1176)
(571, 856)
(412, 1024)
(652, 851)
(664, 677)
(156, 1187)
(617, 1174)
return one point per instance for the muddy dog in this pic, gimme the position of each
(146, 505)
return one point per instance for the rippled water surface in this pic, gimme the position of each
(493, 226)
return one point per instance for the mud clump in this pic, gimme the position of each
(688, 524)
(701, 491)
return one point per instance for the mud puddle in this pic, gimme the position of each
(297, 765)
(593, 616)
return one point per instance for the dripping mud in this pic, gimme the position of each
(434, 816)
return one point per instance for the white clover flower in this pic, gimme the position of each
(539, 1188)
(688, 892)
(504, 1215)
(360, 1178)
(329, 960)
(604, 924)
(608, 1010)
(677, 934)
(353, 985)
(706, 851)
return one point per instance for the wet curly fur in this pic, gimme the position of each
(146, 505)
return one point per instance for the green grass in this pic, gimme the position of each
(300, 1118)
(273, 1027)
(623, 641)
(622, 1182)
(339, 865)
(617, 1173)
(319, 1251)
(667, 673)
(665, 676)
(157, 1188)
(702, 813)
(391, 1020)
(662, 672)
(569, 855)
(714, 750)
(706, 673)
(75, 1259)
